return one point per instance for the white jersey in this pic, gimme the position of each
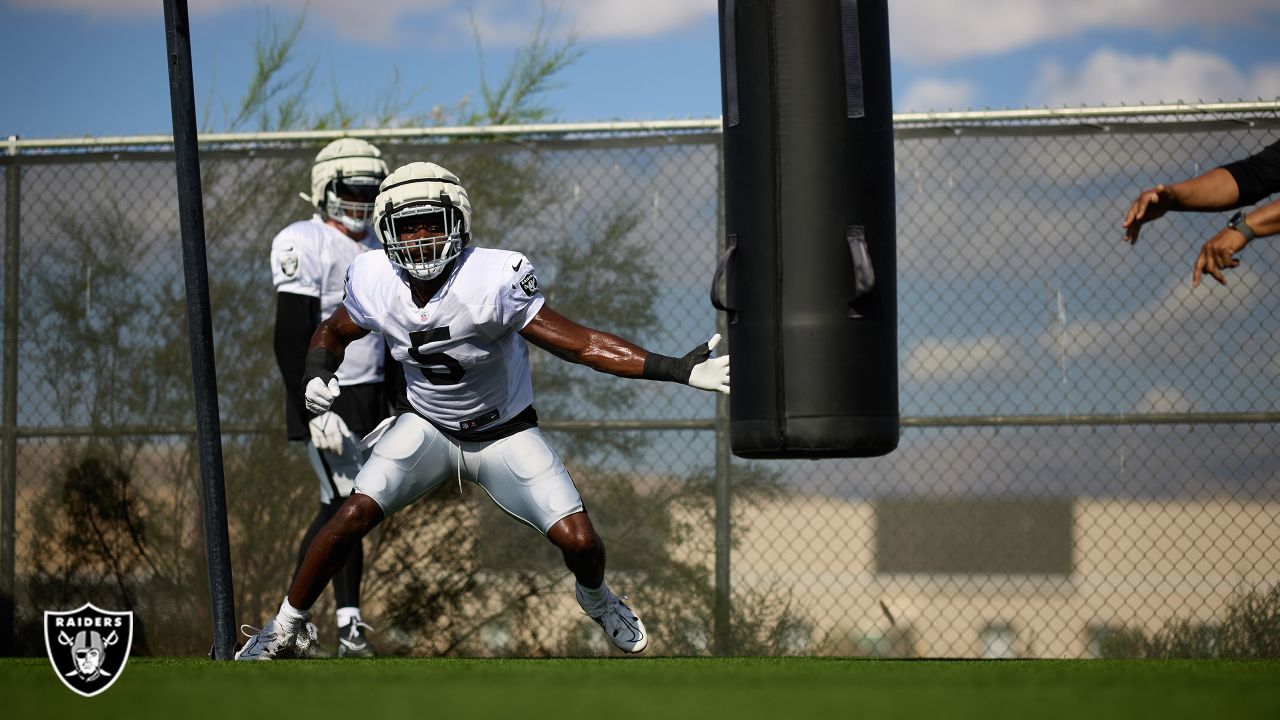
(311, 258)
(466, 367)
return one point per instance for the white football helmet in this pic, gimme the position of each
(344, 182)
(423, 217)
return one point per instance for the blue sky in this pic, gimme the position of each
(96, 67)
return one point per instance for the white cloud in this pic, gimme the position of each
(935, 94)
(627, 18)
(1178, 325)
(500, 21)
(1163, 400)
(934, 31)
(936, 359)
(1109, 76)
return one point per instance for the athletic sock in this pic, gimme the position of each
(592, 601)
(290, 617)
(348, 615)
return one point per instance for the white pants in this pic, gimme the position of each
(336, 471)
(520, 472)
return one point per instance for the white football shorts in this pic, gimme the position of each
(521, 472)
(337, 472)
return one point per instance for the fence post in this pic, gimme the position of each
(723, 602)
(9, 473)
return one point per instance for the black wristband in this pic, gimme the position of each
(662, 367)
(321, 363)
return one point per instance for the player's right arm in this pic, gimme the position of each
(295, 323)
(1214, 190)
(295, 273)
(328, 346)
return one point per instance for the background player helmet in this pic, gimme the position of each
(352, 168)
(423, 195)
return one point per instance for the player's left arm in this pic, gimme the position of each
(611, 354)
(1219, 253)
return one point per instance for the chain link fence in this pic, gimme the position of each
(1087, 467)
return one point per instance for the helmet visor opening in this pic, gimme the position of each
(423, 238)
(358, 188)
(349, 200)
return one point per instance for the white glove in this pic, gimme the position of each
(319, 396)
(330, 433)
(713, 373)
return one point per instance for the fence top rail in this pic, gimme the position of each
(1070, 115)
(1086, 114)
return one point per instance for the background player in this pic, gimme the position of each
(309, 261)
(458, 318)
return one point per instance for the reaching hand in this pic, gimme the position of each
(709, 373)
(320, 395)
(1217, 255)
(329, 432)
(1151, 205)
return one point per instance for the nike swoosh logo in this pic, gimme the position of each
(351, 645)
(517, 265)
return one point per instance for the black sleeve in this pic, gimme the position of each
(1258, 175)
(393, 379)
(296, 320)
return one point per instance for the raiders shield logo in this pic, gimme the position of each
(529, 284)
(289, 264)
(88, 646)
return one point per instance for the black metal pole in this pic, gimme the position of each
(199, 327)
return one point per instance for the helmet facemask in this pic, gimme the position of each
(349, 201)
(344, 183)
(424, 237)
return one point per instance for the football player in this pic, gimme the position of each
(458, 318)
(309, 261)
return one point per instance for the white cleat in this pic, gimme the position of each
(621, 625)
(273, 642)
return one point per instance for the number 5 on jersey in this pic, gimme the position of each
(438, 368)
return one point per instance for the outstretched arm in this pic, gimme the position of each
(1236, 184)
(328, 346)
(1219, 253)
(1214, 190)
(611, 354)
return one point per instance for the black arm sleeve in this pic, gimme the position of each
(1258, 175)
(296, 320)
(393, 379)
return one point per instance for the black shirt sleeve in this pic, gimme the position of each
(1258, 175)
(296, 320)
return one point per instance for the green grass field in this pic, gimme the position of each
(616, 688)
